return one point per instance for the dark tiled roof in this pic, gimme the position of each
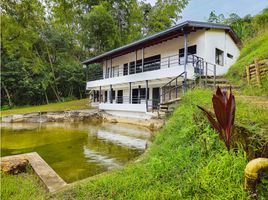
(187, 26)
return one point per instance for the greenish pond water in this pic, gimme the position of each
(76, 150)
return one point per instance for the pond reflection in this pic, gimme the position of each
(76, 150)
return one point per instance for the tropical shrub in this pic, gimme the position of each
(223, 119)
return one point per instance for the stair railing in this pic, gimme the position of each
(203, 68)
(172, 85)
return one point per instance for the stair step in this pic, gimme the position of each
(217, 80)
(170, 101)
(224, 86)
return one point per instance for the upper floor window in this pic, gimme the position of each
(115, 71)
(230, 56)
(125, 71)
(219, 55)
(152, 63)
(191, 50)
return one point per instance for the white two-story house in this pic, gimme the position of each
(134, 76)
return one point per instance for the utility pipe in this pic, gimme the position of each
(252, 171)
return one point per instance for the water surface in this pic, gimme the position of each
(76, 150)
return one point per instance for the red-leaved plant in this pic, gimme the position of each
(224, 109)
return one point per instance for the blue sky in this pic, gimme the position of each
(199, 9)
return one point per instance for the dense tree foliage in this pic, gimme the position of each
(44, 42)
(245, 27)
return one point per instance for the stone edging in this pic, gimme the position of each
(49, 177)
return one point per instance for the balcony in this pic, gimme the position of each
(147, 70)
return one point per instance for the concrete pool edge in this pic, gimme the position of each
(47, 175)
(87, 115)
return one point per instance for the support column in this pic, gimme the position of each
(130, 93)
(106, 69)
(142, 58)
(135, 61)
(146, 95)
(111, 70)
(93, 95)
(86, 73)
(100, 99)
(110, 95)
(185, 60)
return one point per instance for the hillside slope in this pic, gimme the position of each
(255, 48)
(186, 160)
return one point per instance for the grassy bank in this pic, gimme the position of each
(255, 48)
(186, 161)
(69, 105)
(22, 186)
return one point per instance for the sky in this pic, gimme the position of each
(199, 9)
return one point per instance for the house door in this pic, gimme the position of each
(105, 96)
(119, 96)
(156, 97)
(135, 93)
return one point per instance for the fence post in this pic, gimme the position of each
(169, 91)
(248, 74)
(206, 80)
(176, 88)
(215, 76)
(258, 78)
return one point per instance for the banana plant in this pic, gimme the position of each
(222, 120)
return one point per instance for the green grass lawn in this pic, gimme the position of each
(69, 105)
(22, 186)
(186, 161)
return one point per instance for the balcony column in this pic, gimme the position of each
(86, 73)
(185, 60)
(100, 99)
(111, 94)
(130, 92)
(142, 58)
(135, 61)
(93, 95)
(106, 69)
(146, 95)
(111, 71)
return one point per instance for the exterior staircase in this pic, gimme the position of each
(173, 90)
(213, 82)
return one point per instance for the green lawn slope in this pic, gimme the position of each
(22, 186)
(186, 161)
(62, 106)
(255, 48)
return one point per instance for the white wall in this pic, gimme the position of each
(206, 41)
(221, 40)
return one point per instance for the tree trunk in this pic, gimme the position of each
(8, 95)
(80, 93)
(56, 90)
(46, 96)
(56, 94)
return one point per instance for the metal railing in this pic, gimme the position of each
(150, 103)
(151, 65)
